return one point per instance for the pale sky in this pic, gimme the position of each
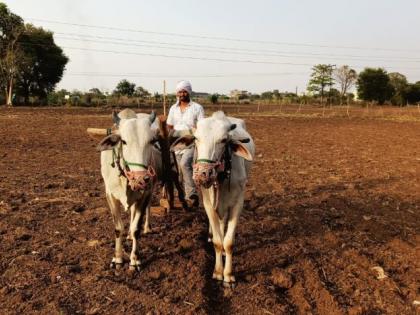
(279, 40)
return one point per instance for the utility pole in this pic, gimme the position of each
(164, 97)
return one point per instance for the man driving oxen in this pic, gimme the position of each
(182, 118)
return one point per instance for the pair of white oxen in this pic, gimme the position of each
(131, 166)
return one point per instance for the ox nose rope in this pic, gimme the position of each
(207, 173)
(135, 179)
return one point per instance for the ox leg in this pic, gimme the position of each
(135, 235)
(223, 222)
(115, 208)
(146, 227)
(217, 239)
(217, 243)
(228, 242)
(218, 248)
(132, 212)
(210, 236)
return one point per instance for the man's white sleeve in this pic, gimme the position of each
(170, 120)
(200, 113)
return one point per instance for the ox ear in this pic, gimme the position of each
(109, 142)
(182, 143)
(239, 149)
(115, 118)
(152, 117)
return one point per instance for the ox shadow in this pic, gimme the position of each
(216, 302)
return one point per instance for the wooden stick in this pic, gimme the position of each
(166, 160)
(97, 131)
(164, 97)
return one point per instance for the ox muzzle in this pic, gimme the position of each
(205, 174)
(140, 180)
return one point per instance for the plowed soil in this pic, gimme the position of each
(328, 200)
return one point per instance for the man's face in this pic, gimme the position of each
(183, 96)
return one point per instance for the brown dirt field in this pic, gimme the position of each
(328, 200)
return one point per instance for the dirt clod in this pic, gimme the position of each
(79, 208)
(186, 245)
(281, 278)
(155, 275)
(74, 268)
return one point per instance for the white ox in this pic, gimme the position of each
(129, 166)
(220, 141)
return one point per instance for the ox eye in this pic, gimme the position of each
(153, 141)
(123, 142)
(223, 140)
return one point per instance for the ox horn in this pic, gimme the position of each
(152, 117)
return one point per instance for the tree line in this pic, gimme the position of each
(372, 85)
(31, 65)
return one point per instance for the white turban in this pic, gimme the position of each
(184, 85)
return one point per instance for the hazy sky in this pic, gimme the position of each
(279, 40)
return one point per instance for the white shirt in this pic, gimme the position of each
(187, 119)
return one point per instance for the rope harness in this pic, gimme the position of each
(136, 180)
(207, 173)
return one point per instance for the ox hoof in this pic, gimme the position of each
(229, 285)
(134, 268)
(134, 265)
(229, 279)
(217, 276)
(147, 230)
(115, 265)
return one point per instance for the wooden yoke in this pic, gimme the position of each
(99, 133)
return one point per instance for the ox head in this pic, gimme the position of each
(133, 142)
(213, 136)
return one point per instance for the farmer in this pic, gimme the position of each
(182, 118)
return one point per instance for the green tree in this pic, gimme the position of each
(400, 84)
(42, 65)
(413, 93)
(96, 92)
(267, 95)
(57, 97)
(125, 88)
(255, 97)
(141, 92)
(334, 96)
(374, 85)
(11, 27)
(214, 98)
(94, 97)
(321, 78)
(346, 78)
(157, 97)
